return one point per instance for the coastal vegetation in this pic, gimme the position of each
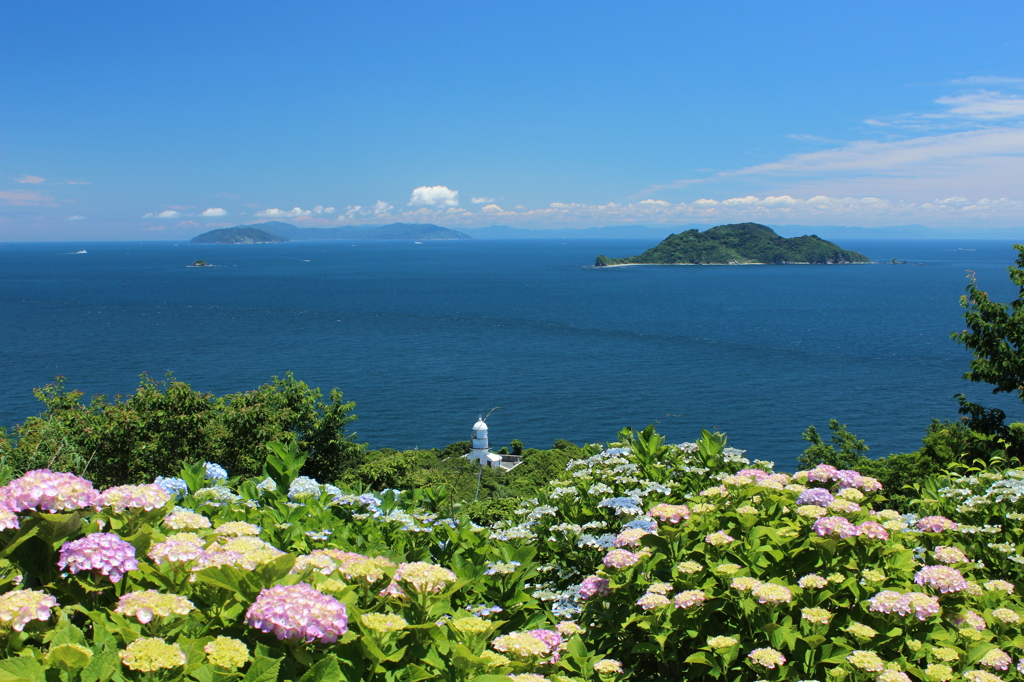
(176, 535)
(738, 244)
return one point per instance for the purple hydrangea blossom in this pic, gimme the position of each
(819, 497)
(103, 553)
(594, 585)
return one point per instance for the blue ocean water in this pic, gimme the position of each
(424, 337)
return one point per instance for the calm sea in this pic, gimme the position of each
(426, 337)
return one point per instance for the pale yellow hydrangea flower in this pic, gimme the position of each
(149, 654)
(226, 652)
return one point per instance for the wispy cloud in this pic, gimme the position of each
(25, 197)
(30, 179)
(79, 182)
(438, 195)
(213, 213)
(482, 200)
(972, 145)
(76, 217)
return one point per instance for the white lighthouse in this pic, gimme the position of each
(480, 452)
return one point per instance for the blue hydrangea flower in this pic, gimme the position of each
(215, 472)
(303, 487)
(175, 487)
(267, 485)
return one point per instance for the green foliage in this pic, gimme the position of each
(739, 243)
(163, 424)
(994, 334)
(850, 454)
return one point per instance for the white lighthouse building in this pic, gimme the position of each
(481, 453)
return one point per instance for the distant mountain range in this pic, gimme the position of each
(246, 234)
(422, 232)
(738, 244)
(823, 231)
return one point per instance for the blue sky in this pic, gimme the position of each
(159, 120)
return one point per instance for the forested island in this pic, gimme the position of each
(276, 231)
(742, 243)
(245, 234)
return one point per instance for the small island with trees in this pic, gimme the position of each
(739, 244)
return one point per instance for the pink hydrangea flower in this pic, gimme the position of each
(950, 555)
(921, 605)
(869, 484)
(689, 598)
(44, 490)
(847, 478)
(148, 497)
(552, 640)
(822, 473)
(298, 612)
(756, 474)
(594, 586)
(103, 553)
(620, 558)
(873, 530)
(630, 537)
(673, 513)
(8, 519)
(835, 525)
(719, 538)
(942, 578)
(997, 659)
(19, 607)
(935, 524)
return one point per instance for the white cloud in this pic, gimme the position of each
(987, 80)
(30, 179)
(811, 209)
(213, 213)
(438, 195)
(278, 213)
(167, 214)
(76, 217)
(381, 207)
(78, 182)
(482, 200)
(319, 210)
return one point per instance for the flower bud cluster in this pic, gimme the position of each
(149, 654)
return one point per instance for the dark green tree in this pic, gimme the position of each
(994, 334)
